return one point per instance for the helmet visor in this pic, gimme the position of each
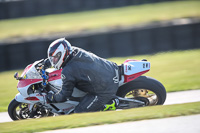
(56, 58)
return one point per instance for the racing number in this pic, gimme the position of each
(146, 65)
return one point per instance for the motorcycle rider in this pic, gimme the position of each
(84, 70)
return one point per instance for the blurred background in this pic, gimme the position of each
(108, 28)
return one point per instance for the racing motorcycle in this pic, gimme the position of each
(35, 82)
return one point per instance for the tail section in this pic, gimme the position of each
(134, 68)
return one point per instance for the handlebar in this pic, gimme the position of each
(45, 77)
(40, 67)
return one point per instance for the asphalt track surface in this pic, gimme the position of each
(183, 124)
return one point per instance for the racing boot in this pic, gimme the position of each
(111, 105)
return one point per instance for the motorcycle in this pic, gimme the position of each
(35, 82)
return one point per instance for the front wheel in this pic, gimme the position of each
(17, 110)
(145, 89)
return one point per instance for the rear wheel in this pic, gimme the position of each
(145, 89)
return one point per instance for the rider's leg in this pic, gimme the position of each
(111, 105)
(92, 103)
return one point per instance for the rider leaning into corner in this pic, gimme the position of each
(98, 77)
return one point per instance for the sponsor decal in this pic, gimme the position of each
(63, 76)
(132, 77)
(129, 67)
(67, 109)
(116, 78)
(39, 95)
(146, 65)
(25, 76)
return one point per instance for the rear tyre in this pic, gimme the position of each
(146, 89)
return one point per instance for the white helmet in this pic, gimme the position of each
(58, 52)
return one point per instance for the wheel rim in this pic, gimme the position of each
(21, 111)
(145, 95)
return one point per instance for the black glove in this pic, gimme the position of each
(47, 63)
(50, 98)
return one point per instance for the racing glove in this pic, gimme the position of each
(50, 98)
(46, 63)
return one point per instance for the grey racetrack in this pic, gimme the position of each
(182, 124)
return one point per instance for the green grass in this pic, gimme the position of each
(99, 118)
(75, 22)
(178, 71)
(8, 88)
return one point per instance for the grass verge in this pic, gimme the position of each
(74, 22)
(178, 71)
(99, 118)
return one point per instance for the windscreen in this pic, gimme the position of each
(31, 73)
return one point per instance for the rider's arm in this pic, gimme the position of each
(67, 87)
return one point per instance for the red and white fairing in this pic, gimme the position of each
(134, 69)
(31, 76)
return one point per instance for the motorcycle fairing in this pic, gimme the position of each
(36, 98)
(54, 74)
(134, 69)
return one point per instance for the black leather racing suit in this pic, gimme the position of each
(89, 73)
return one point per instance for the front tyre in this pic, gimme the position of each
(17, 110)
(146, 89)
